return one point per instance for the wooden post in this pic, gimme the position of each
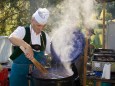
(85, 62)
(104, 4)
(98, 83)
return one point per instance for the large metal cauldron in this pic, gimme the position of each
(53, 78)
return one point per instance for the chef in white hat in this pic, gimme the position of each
(41, 15)
(35, 43)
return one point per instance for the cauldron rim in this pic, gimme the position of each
(57, 79)
(49, 79)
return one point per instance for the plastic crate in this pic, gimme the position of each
(98, 65)
(4, 83)
(4, 77)
(104, 51)
(4, 74)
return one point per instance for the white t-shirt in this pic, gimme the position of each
(35, 39)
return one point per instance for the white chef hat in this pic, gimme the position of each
(41, 15)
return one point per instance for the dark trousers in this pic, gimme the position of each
(75, 75)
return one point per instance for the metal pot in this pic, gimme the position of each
(53, 78)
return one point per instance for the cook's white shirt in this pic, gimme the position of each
(35, 39)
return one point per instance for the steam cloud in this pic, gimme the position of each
(75, 13)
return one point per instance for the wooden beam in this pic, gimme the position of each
(85, 62)
(98, 83)
(104, 5)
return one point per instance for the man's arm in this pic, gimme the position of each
(16, 38)
(18, 42)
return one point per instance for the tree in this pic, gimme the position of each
(18, 12)
(11, 11)
(108, 16)
(111, 8)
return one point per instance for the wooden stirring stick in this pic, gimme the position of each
(36, 63)
(39, 66)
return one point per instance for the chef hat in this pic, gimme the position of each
(41, 15)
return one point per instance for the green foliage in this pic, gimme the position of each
(111, 8)
(15, 13)
(108, 16)
(54, 2)
(99, 9)
(96, 41)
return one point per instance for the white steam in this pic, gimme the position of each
(74, 13)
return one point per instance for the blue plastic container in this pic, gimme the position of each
(103, 84)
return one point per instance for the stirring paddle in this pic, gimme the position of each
(36, 63)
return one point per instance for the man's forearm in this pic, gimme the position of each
(18, 42)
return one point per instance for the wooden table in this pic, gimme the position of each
(99, 80)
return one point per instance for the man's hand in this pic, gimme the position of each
(28, 51)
